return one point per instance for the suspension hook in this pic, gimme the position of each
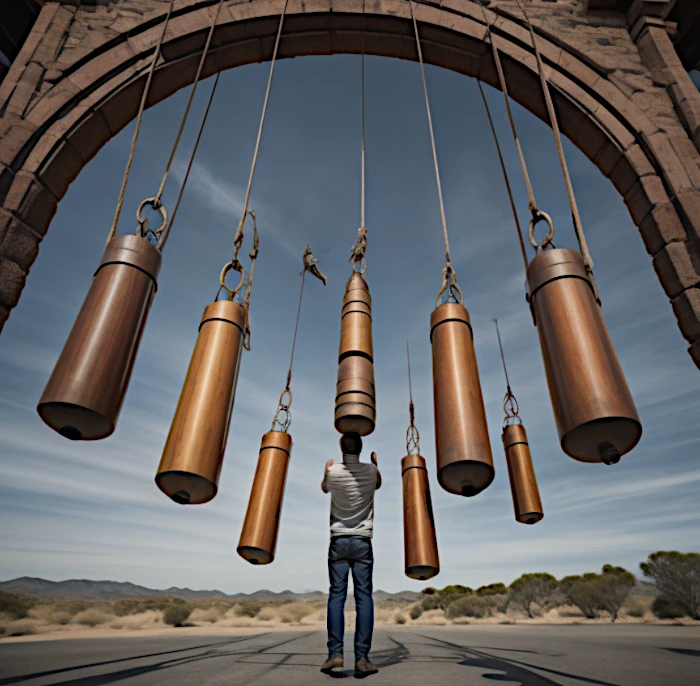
(537, 217)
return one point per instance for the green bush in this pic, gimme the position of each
(135, 606)
(400, 618)
(472, 606)
(177, 614)
(72, 607)
(16, 606)
(532, 589)
(416, 611)
(664, 607)
(677, 576)
(249, 608)
(492, 589)
(91, 617)
(635, 608)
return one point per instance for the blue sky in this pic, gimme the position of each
(92, 510)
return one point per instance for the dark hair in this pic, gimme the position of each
(351, 443)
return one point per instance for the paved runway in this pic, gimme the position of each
(622, 655)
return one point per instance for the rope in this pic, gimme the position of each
(238, 239)
(505, 176)
(189, 104)
(578, 226)
(249, 289)
(139, 118)
(510, 404)
(166, 233)
(412, 435)
(362, 202)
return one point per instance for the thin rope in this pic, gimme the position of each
(239, 233)
(166, 233)
(505, 176)
(205, 52)
(139, 118)
(362, 99)
(432, 136)
(412, 435)
(503, 359)
(510, 404)
(578, 226)
(296, 329)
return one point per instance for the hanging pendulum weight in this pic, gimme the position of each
(463, 449)
(593, 407)
(523, 484)
(86, 390)
(194, 451)
(421, 559)
(355, 402)
(258, 540)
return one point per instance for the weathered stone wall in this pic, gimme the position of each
(621, 92)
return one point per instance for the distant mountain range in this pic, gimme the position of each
(114, 590)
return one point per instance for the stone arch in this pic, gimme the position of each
(78, 80)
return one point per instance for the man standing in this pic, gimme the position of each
(351, 485)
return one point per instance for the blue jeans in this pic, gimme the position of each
(344, 554)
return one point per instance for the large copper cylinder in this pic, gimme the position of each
(523, 484)
(87, 387)
(355, 408)
(464, 461)
(421, 559)
(194, 451)
(262, 520)
(594, 411)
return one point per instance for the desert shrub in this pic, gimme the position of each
(429, 590)
(211, 615)
(677, 576)
(177, 614)
(293, 613)
(14, 605)
(267, 614)
(431, 602)
(532, 589)
(72, 607)
(91, 617)
(399, 618)
(416, 611)
(585, 595)
(134, 622)
(249, 608)
(472, 606)
(664, 607)
(635, 608)
(21, 627)
(135, 606)
(60, 618)
(615, 584)
(492, 589)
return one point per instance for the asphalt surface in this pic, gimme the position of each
(622, 655)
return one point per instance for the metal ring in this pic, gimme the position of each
(285, 406)
(363, 266)
(222, 279)
(158, 207)
(537, 217)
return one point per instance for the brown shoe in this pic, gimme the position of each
(363, 668)
(331, 663)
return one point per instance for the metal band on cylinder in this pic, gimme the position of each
(421, 559)
(86, 390)
(593, 407)
(258, 540)
(194, 451)
(463, 450)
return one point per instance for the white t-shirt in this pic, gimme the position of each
(351, 485)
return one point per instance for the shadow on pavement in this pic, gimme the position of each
(684, 651)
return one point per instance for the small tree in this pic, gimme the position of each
(585, 595)
(177, 614)
(614, 585)
(677, 576)
(492, 589)
(17, 606)
(664, 607)
(532, 589)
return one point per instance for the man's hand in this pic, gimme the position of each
(374, 459)
(329, 464)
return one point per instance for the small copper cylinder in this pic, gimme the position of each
(421, 559)
(262, 520)
(523, 484)
(355, 408)
(194, 451)
(87, 387)
(464, 460)
(593, 407)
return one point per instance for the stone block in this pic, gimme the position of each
(678, 267)
(31, 201)
(660, 227)
(4, 316)
(686, 307)
(689, 204)
(89, 135)
(13, 140)
(20, 245)
(12, 280)
(632, 166)
(694, 352)
(646, 193)
(60, 169)
(674, 174)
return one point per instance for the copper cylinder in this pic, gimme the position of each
(594, 411)
(194, 451)
(464, 461)
(355, 408)
(421, 559)
(87, 387)
(523, 484)
(262, 520)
